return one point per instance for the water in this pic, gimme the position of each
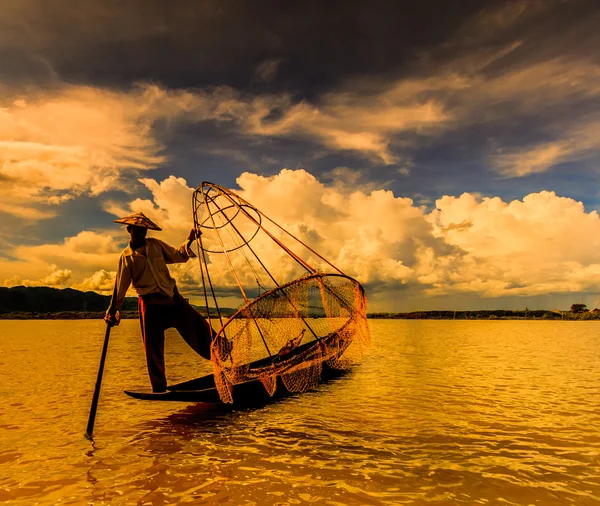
(439, 412)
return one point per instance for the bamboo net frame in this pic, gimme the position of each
(291, 329)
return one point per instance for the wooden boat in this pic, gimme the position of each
(204, 389)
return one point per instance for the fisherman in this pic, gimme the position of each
(143, 264)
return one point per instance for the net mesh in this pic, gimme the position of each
(287, 334)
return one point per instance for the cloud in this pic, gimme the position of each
(83, 252)
(575, 143)
(468, 245)
(541, 96)
(532, 160)
(344, 120)
(267, 70)
(170, 207)
(527, 88)
(59, 144)
(101, 281)
(541, 244)
(385, 120)
(57, 277)
(375, 246)
(371, 236)
(107, 138)
(489, 21)
(490, 70)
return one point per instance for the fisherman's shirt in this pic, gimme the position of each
(146, 269)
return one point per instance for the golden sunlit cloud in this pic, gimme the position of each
(346, 121)
(101, 281)
(467, 245)
(59, 144)
(56, 278)
(170, 206)
(82, 253)
(544, 243)
(575, 143)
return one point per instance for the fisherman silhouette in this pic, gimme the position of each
(143, 264)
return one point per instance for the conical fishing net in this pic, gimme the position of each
(289, 332)
(286, 335)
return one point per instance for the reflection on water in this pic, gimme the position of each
(448, 412)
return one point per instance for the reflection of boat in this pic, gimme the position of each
(292, 333)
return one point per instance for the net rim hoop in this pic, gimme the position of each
(313, 275)
(238, 209)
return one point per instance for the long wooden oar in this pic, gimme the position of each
(92, 418)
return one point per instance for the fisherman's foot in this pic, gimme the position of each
(159, 390)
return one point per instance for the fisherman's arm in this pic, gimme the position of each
(122, 283)
(181, 254)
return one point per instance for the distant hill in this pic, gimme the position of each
(44, 299)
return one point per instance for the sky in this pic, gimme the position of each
(445, 154)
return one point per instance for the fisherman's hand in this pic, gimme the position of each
(193, 234)
(112, 320)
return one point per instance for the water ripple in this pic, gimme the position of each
(438, 413)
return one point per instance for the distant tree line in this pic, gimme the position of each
(67, 303)
(497, 314)
(25, 302)
(44, 299)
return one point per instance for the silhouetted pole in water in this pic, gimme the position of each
(92, 418)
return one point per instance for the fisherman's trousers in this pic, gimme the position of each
(160, 314)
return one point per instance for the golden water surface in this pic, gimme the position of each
(439, 412)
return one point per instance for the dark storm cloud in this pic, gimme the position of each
(301, 47)
(510, 80)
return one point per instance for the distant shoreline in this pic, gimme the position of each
(495, 314)
(499, 314)
(63, 315)
(74, 315)
(47, 303)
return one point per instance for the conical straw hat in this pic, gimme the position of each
(139, 220)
